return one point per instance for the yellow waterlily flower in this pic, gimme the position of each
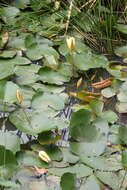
(71, 43)
(44, 156)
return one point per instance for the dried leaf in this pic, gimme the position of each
(103, 83)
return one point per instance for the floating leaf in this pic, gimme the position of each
(109, 178)
(68, 181)
(87, 61)
(5, 183)
(30, 158)
(33, 122)
(6, 70)
(56, 77)
(80, 127)
(91, 183)
(79, 169)
(121, 107)
(41, 50)
(101, 163)
(123, 134)
(10, 141)
(122, 28)
(48, 138)
(108, 92)
(109, 116)
(9, 13)
(45, 100)
(68, 156)
(124, 159)
(89, 148)
(54, 151)
(7, 54)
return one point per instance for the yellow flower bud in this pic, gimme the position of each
(57, 5)
(71, 43)
(19, 96)
(44, 156)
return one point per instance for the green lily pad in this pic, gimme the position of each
(8, 162)
(122, 96)
(27, 74)
(11, 184)
(48, 137)
(34, 122)
(121, 107)
(41, 50)
(108, 92)
(7, 54)
(45, 100)
(17, 42)
(10, 141)
(29, 158)
(85, 62)
(80, 127)
(122, 28)
(109, 116)
(96, 106)
(53, 151)
(89, 148)
(124, 159)
(6, 70)
(79, 169)
(123, 134)
(68, 157)
(109, 179)
(121, 51)
(51, 62)
(21, 4)
(101, 163)
(9, 13)
(54, 77)
(48, 88)
(91, 183)
(68, 181)
(10, 92)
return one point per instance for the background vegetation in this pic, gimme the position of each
(63, 94)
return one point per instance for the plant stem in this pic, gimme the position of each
(123, 180)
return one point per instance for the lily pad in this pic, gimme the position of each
(89, 148)
(91, 183)
(10, 141)
(121, 107)
(122, 28)
(68, 181)
(109, 116)
(45, 100)
(108, 92)
(79, 169)
(41, 50)
(55, 77)
(6, 70)
(80, 127)
(87, 61)
(123, 134)
(7, 54)
(30, 158)
(34, 122)
(53, 151)
(101, 163)
(109, 179)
